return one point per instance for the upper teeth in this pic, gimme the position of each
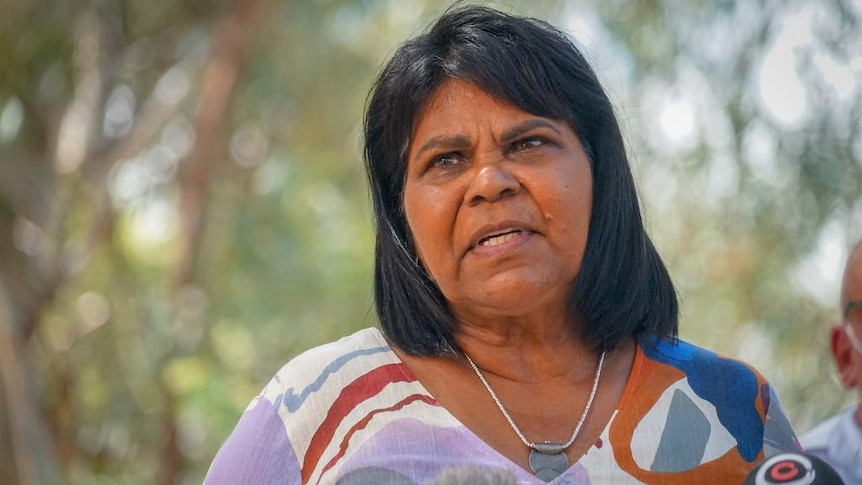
(499, 238)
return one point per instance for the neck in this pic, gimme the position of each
(528, 354)
(531, 326)
(547, 459)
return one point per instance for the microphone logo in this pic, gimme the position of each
(786, 469)
(793, 469)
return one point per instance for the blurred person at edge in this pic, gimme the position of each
(838, 440)
(528, 325)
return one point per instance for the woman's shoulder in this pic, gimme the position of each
(279, 423)
(695, 361)
(733, 387)
(727, 392)
(358, 352)
(363, 342)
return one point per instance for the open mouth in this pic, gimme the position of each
(497, 239)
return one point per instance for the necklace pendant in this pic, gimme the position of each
(548, 460)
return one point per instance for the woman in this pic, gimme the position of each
(528, 324)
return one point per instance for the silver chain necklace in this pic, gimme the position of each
(547, 460)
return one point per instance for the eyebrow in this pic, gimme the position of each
(448, 142)
(518, 130)
(463, 141)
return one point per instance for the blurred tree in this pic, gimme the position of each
(745, 120)
(63, 216)
(182, 202)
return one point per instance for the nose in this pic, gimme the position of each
(492, 182)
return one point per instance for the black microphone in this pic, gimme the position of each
(793, 469)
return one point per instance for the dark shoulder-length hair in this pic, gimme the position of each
(622, 289)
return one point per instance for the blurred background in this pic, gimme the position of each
(183, 206)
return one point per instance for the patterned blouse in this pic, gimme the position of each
(350, 412)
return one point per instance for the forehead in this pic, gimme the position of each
(451, 104)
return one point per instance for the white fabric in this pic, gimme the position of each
(838, 441)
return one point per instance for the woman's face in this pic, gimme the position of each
(498, 202)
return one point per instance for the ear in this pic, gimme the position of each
(842, 352)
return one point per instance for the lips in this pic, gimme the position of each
(496, 239)
(497, 234)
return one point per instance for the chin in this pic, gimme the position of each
(515, 297)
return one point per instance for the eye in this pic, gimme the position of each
(528, 143)
(445, 160)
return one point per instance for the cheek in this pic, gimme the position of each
(574, 209)
(571, 213)
(412, 217)
(427, 221)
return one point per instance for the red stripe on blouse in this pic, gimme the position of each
(342, 449)
(364, 387)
